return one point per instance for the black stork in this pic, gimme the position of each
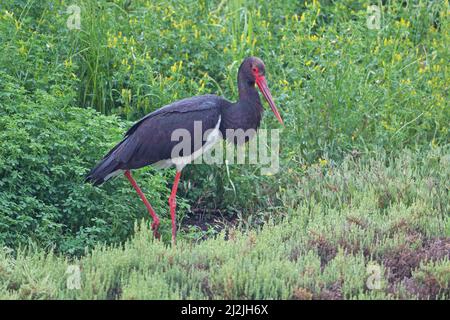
(149, 142)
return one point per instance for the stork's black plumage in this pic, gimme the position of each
(149, 141)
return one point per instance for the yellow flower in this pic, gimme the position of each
(404, 23)
(112, 42)
(407, 81)
(202, 85)
(9, 14)
(434, 143)
(423, 67)
(387, 42)
(323, 162)
(174, 67)
(386, 125)
(68, 63)
(126, 95)
(22, 50)
(436, 68)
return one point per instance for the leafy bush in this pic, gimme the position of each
(46, 149)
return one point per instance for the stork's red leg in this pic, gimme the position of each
(173, 205)
(155, 218)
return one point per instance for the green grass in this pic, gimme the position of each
(365, 213)
(363, 158)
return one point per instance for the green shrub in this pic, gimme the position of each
(329, 237)
(46, 150)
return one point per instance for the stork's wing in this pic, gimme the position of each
(187, 105)
(150, 139)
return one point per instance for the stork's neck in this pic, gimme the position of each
(248, 94)
(247, 112)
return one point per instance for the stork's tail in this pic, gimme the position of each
(107, 168)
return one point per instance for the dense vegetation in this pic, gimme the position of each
(364, 155)
(335, 225)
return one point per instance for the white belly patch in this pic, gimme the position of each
(181, 162)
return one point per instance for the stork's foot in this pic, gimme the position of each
(156, 233)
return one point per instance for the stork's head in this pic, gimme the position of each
(254, 70)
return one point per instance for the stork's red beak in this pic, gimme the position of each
(262, 85)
